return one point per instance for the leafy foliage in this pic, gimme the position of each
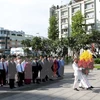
(78, 38)
(77, 24)
(26, 42)
(36, 43)
(53, 28)
(95, 37)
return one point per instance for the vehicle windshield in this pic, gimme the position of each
(7, 51)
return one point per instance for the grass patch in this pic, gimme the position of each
(98, 67)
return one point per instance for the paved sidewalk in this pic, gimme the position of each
(60, 89)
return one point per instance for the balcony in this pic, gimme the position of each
(64, 14)
(89, 6)
(64, 21)
(64, 8)
(90, 21)
(88, 1)
(65, 26)
(89, 15)
(74, 10)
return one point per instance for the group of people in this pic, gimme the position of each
(25, 71)
(80, 74)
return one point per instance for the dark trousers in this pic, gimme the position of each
(11, 83)
(34, 76)
(2, 77)
(20, 78)
(58, 73)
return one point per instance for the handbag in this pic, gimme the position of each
(85, 71)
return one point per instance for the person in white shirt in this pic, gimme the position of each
(76, 74)
(20, 72)
(84, 83)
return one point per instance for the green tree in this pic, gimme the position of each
(46, 44)
(95, 37)
(77, 24)
(53, 28)
(23, 42)
(78, 39)
(36, 43)
(26, 43)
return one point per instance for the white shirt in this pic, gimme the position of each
(5, 66)
(23, 65)
(76, 69)
(19, 68)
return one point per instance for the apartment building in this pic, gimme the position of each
(9, 39)
(89, 8)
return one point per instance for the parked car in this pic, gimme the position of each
(6, 52)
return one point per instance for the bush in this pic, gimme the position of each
(97, 61)
(68, 59)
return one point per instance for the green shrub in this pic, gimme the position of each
(97, 61)
(96, 66)
(68, 59)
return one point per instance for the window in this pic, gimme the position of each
(2, 47)
(13, 34)
(4, 32)
(89, 6)
(64, 20)
(1, 38)
(19, 34)
(89, 15)
(1, 32)
(74, 10)
(63, 13)
(65, 30)
(2, 42)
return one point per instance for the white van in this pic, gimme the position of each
(17, 51)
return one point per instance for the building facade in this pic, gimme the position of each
(9, 39)
(90, 10)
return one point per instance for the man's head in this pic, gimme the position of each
(41, 57)
(76, 60)
(12, 58)
(2, 59)
(35, 59)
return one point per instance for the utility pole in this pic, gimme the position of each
(37, 34)
(6, 41)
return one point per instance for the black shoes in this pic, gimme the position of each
(88, 88)
(38, 82)
(76, 89)
(81, 87)
(91, 87)
(51, 79)
(43, 80)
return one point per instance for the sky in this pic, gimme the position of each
(30, 16)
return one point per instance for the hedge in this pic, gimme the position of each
(97, 60)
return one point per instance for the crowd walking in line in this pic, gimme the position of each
(25, 71)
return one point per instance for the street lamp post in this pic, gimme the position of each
(37, 34)
(61, 46)
(6, 41)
